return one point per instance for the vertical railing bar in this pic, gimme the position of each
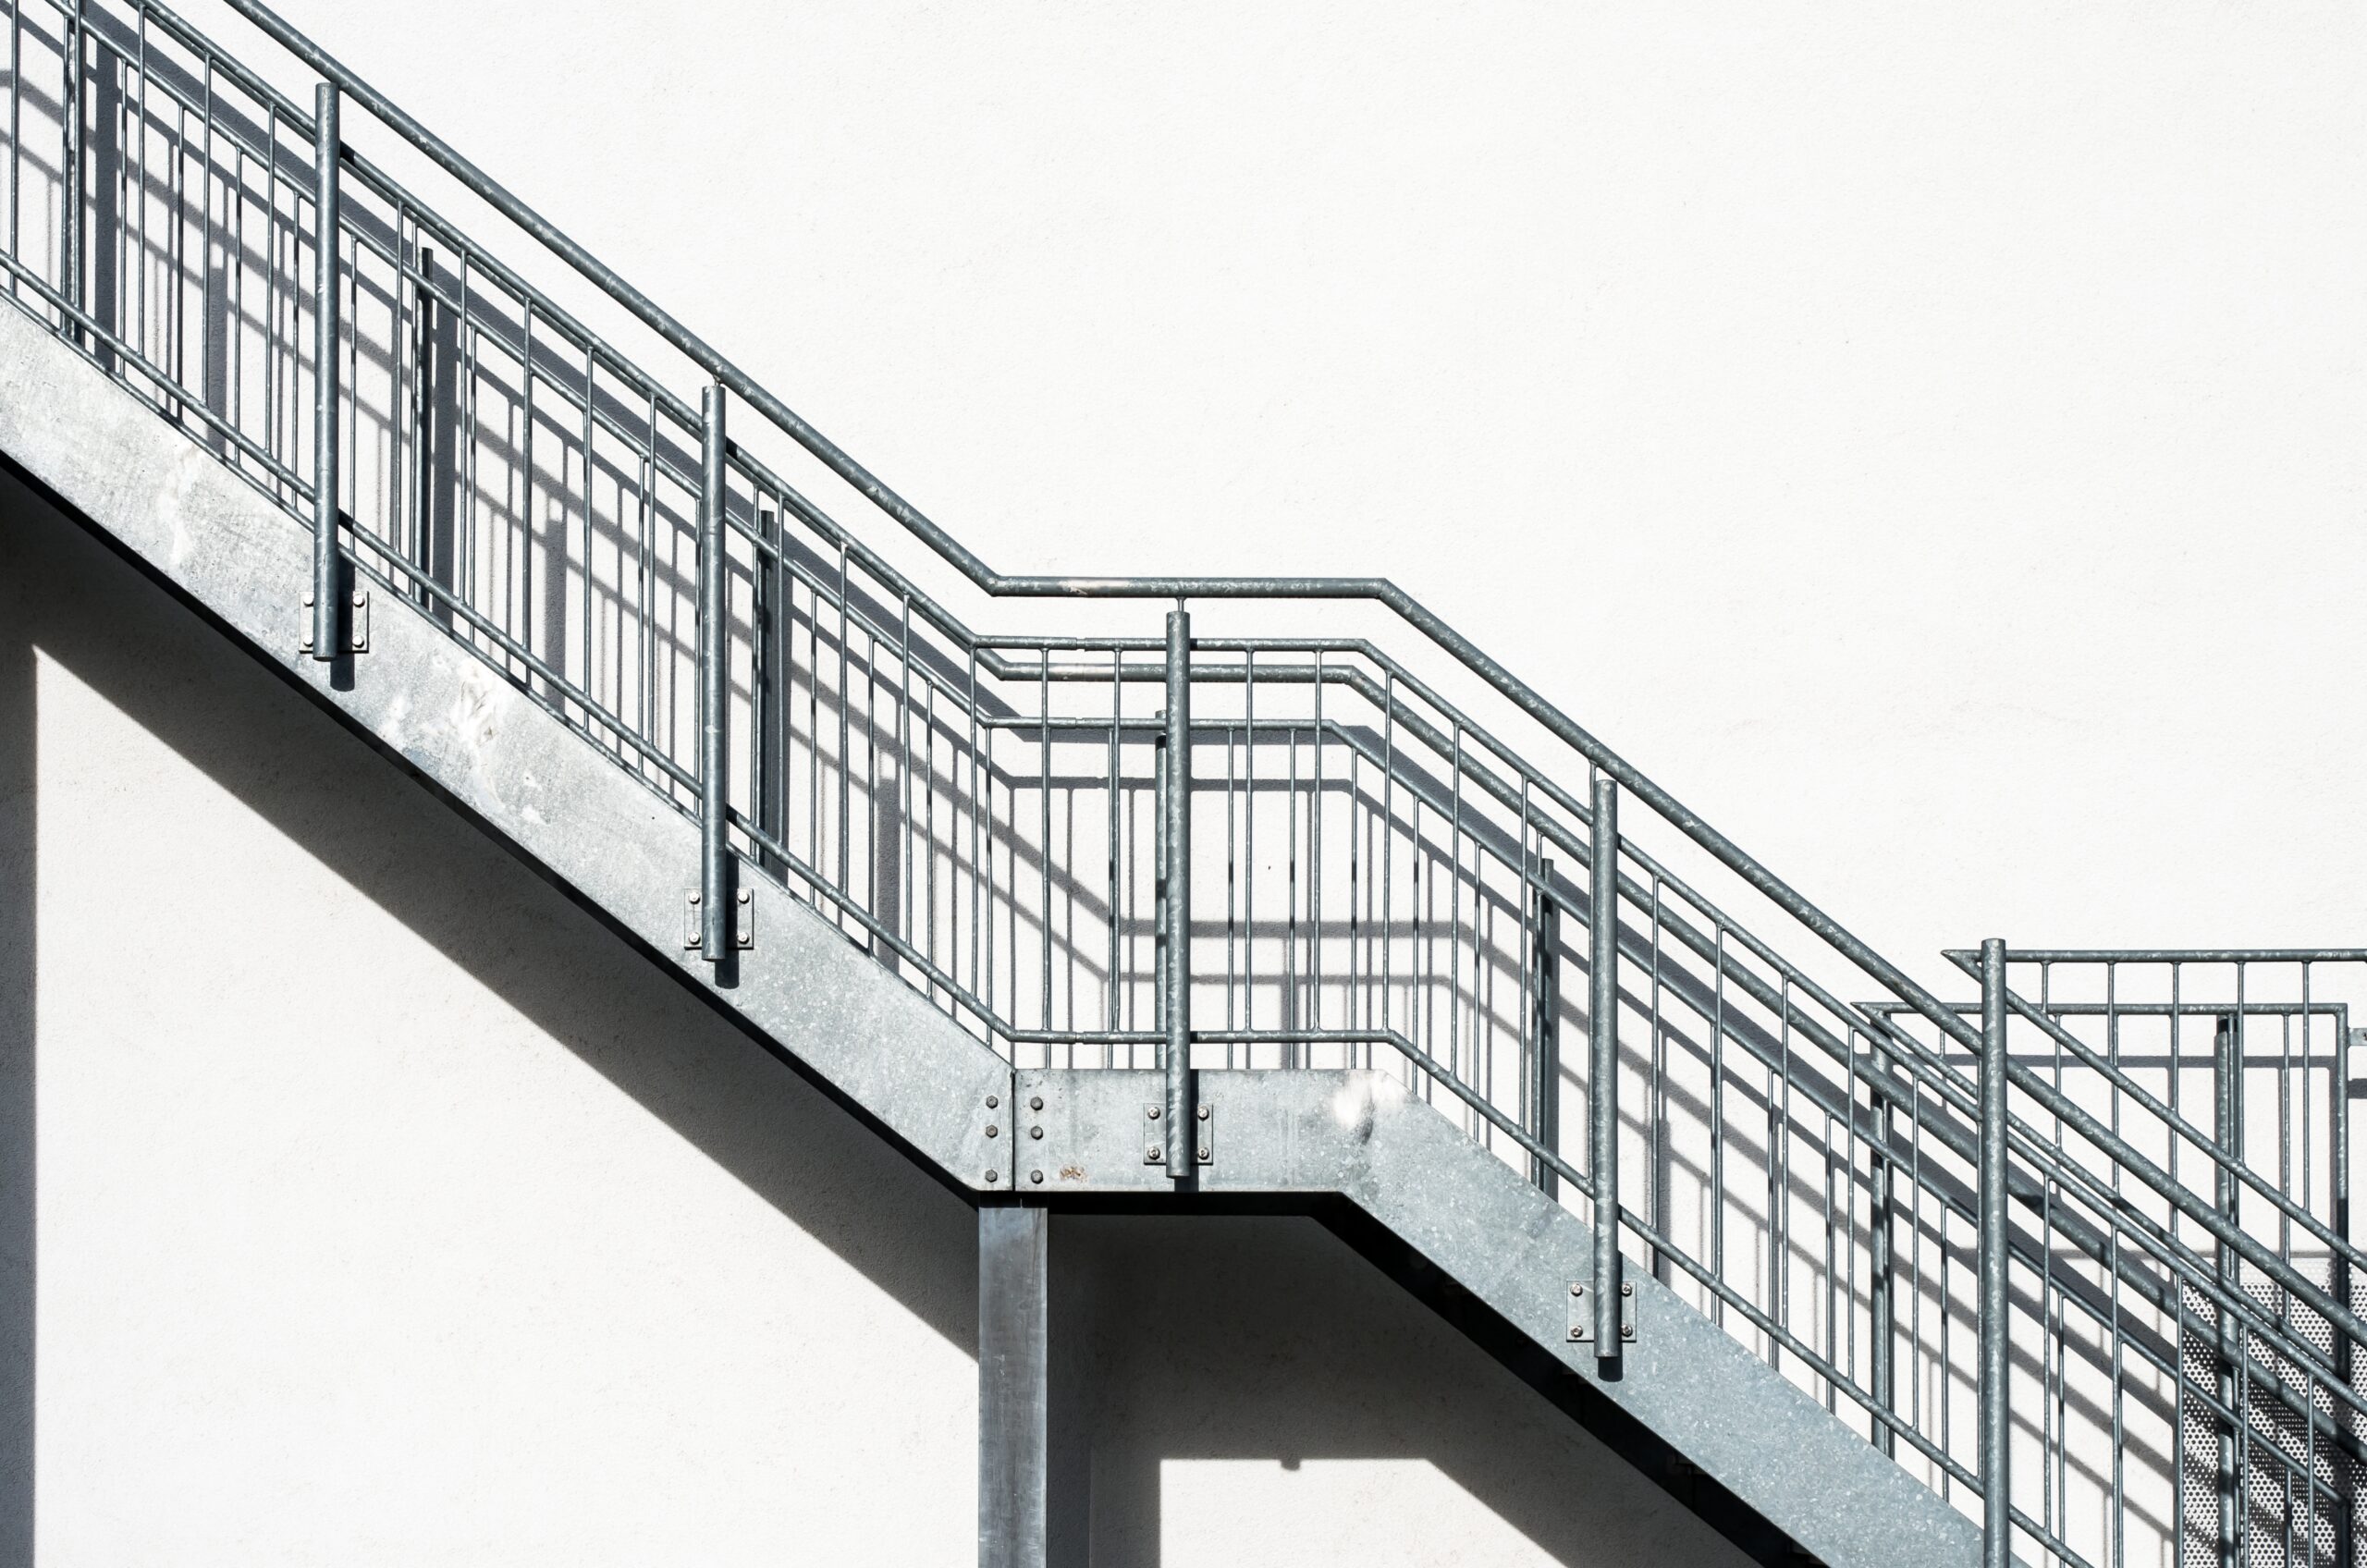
(1549, 1040)
(1044, 835)
(1233, 799)
(1389, 846)
(905, 767)
(845, 705)
(716, 916)
(17, 138)
(1176, 837)
(327, 588)
(1718, 1124)
(1315, 868)
(1117, 910)
(1995, 1486)
(71, 162)
(1602, 1035)
(2228, 1132)
(1656, 1102)
(978, 867)
(1531, 1097)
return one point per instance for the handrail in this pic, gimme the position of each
(1001, 585)
(2032, 1196)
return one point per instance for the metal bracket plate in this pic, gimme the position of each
(357, 626)
(1582, 1314)
(744, 924)
(1204, 1139)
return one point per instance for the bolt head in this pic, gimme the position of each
(1036, 1176)
(1154, 1153)
(308, 600)
(1152, 1113)
(1577, 1289)
(993, 1100)
(1034, 1132)
(1627, 1289)
(992, 1177)
(993, 1131)
(1577, 1333)
(1036, 1103)
(357, 601)
(1204, 1114)
(1204, 1154)
(744, 896)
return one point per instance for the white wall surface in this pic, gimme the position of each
(368, 1203)
(1925, 440)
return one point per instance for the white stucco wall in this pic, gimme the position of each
(369, 1203)
(1926, 442)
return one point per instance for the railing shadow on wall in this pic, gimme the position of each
(973, 808)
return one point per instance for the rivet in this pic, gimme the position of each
(1153, 1154)
(744, 896)
(1577, 1289)
(1624, 1290)
(308, 600)
(992, 1177)
(1036, 1176)
(993, 1131)
(1204, 1114)
(357, 601)
(695, 897)
(993, 1100)
(1036, 1103)
(1577, 1333)
(1034, 1132)
(1153, 1113)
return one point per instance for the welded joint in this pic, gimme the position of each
(744, 925)
(1582, 1313)
(357, 625)
(1204, 1134)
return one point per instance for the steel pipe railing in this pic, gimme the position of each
(905, 773)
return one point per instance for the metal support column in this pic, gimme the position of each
(1602, 1082)
(328, 585)
(1997, 1490)
(1545, 1002)
(1033, 1435)
(1175, 843)
(714, 691)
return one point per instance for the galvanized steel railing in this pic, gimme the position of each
(1152, 847)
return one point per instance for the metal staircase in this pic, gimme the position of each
(1117, 912)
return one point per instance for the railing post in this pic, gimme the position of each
(1546, 1002)
(2227, 1123)
(69, 259)
(1175, 843)
(1603, 1041)
(423, 391)
(328, 588)
(1881, 1304)
(1997, 1490)
(715, 646)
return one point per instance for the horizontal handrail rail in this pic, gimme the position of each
(999, 584)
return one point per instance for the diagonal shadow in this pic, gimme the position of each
(18, 1162)
(80, 604)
